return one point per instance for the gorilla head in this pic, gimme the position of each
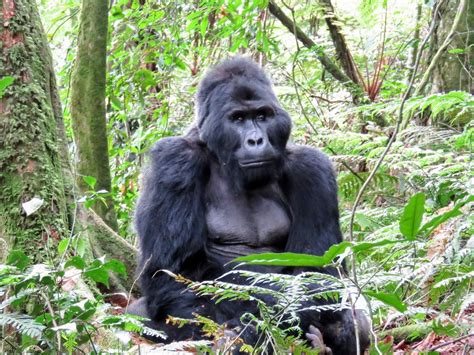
(242, 123)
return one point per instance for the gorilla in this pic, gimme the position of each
(233, 186)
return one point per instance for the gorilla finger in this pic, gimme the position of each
(315, 341)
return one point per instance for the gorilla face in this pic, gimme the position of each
(245, 128)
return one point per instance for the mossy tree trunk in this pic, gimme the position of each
(88, 104)
(33, 151)
(453, 70)
(34, 160)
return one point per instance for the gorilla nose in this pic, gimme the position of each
(252, 142)
(255, 140)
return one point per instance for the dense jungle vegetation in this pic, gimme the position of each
(385, 88)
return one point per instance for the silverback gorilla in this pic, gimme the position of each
(230, 187)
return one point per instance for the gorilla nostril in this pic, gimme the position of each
(259, 141)
(251, 142)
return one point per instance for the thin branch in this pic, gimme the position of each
(53, 319)
(311, 123)
(390, 142)
(451, 342)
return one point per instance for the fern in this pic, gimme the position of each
(153, 332)
(23, 324)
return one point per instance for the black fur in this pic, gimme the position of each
(171, 213)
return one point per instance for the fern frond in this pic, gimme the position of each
(23, 324)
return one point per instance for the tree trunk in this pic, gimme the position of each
(33, 151)
(343, 52)
(88, 105)
(33, 159)
(453, 70)
(415, 41)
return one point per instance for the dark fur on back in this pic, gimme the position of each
(171, 212)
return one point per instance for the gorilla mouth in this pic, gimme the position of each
(255, 163)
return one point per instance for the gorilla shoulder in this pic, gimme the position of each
(302, 160)
(177, 161)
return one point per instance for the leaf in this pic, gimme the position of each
(456, 51)
(295, 259)
(116, 266)
(98, 275)
(32, 205)
(90, 180)
(412, 216)
(77, 262)
(4, 83)
(430, 226)
(203, 26)
(389, 299)
(369, 245)
(19, 259)
(62, 246)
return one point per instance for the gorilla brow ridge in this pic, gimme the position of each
(236, 67)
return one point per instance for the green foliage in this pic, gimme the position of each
(453, 108)
(413, 231)
(60, 313)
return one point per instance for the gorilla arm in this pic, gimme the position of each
(311, 189)
(170, 221)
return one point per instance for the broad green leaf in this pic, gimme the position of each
(412, 216)
(98, 275)
(62, 246)
(389, 299)
(204, 24)
(90, 181)
(294, 259)
(19, 259)
(116, 266)
(77, 262)
(4, 83)
(369, 245)
(456, 51)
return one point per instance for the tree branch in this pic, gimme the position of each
(342, 49)
(329, 65)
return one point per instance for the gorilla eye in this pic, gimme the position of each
(260, 117)
(239, 116)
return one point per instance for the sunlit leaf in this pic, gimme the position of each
(389, 299)
(412, 216)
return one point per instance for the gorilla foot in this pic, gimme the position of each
(316, 339)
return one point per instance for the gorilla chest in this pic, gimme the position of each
(244, 223)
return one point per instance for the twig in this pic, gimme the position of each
(53, 319)
(393, 137)
(135, 281)
(352, 171)
(90, 339)
(390, 142)
(436, 347)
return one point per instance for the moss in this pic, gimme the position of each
(30, 159)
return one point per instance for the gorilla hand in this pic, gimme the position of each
(316, 339)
